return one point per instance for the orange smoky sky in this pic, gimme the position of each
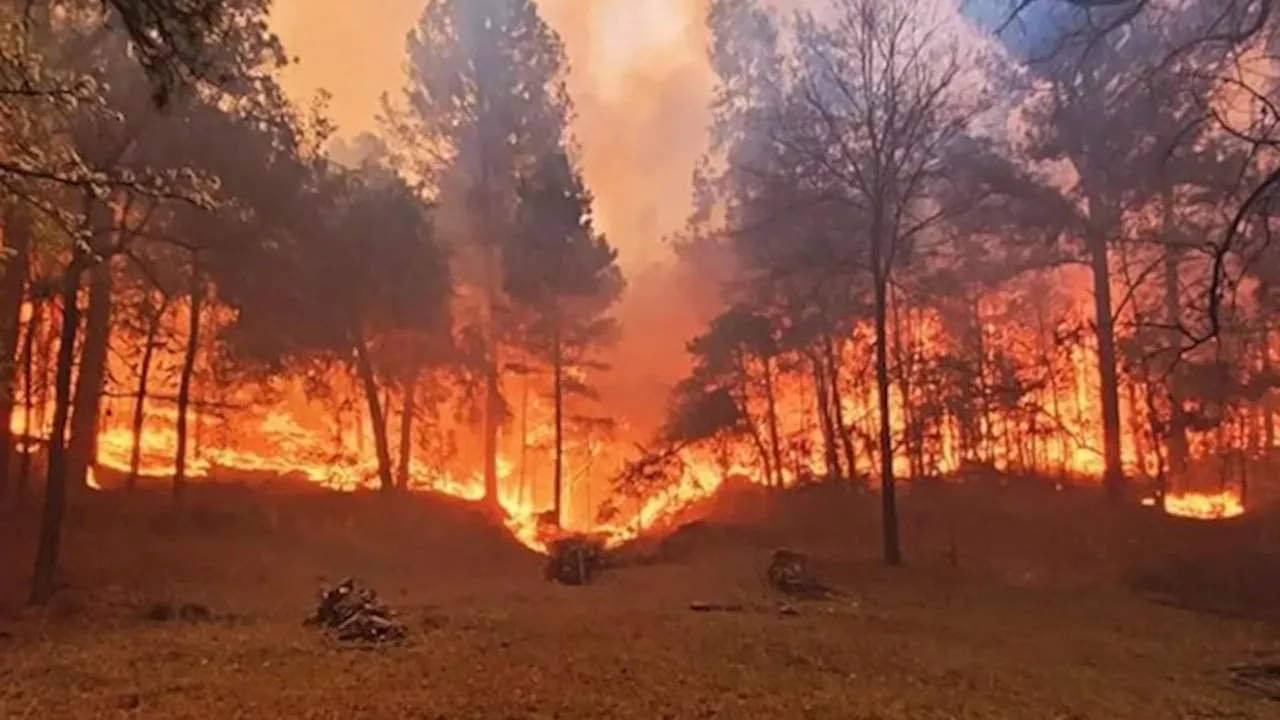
(639, 79)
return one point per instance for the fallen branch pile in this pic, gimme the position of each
(353, 614)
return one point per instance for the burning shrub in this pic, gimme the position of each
(791, 574)
(354, 614)
(576, 559)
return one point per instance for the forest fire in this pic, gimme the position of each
(449, 320)
(762, 293)
(285, 428)
(326, 442)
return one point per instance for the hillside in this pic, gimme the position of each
(1031, 616)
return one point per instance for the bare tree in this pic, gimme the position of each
(1226, 39)
(881, 93)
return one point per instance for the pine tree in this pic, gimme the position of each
(564, 277)
(484, 102)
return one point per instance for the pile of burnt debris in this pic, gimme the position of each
(576, 559)
(353, 614)
(791, 574)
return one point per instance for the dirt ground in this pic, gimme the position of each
(1022, 609)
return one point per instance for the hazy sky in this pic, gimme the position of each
(639, 80)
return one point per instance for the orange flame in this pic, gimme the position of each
(294, 435)
(1201, 506)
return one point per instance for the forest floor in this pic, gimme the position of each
(1008, 613)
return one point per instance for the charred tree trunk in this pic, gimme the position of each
(364, 368)
(48, 369)
(1135, 427)
(492, 391)
(741, 396)
(524, 491)
(1177, 442)
(845, 436)
(1108, 378)
(771, 400)
(17, 238)
(915, 453)
(492, 415)
(1268, 406)
(184, 381)
(406, 431)
(140, 403)
(824, 416)
(557, 371)
(83, 445)
(1045, 345)
(55, 494)
(888, 488)
(34, 326)
(986, 421)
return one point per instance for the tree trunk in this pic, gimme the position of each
(55, 493)
(380, 443)
(83, 445)
(523, 491)
(492, 396)
(1135, 428)
(406, 431)
(1268, 407)
(775, 446)
(824, 416)
(1108, 379)
(34, 326)
(492, 415)
(140, 404)
(986, 422)
(888, 489)
(184, 381)
(17, 239)
(837, 406)
(557, 370)
(909, 435)
(1178, 444)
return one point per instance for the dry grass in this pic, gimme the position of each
(999, 636)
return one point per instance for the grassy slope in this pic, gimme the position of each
(997, 637)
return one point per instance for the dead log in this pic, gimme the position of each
(1263, 679)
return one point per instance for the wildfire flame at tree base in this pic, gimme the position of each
(1201, 506)
(280, 444)
(531, 529)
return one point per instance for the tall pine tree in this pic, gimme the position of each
(484, 102)
(564, 278)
